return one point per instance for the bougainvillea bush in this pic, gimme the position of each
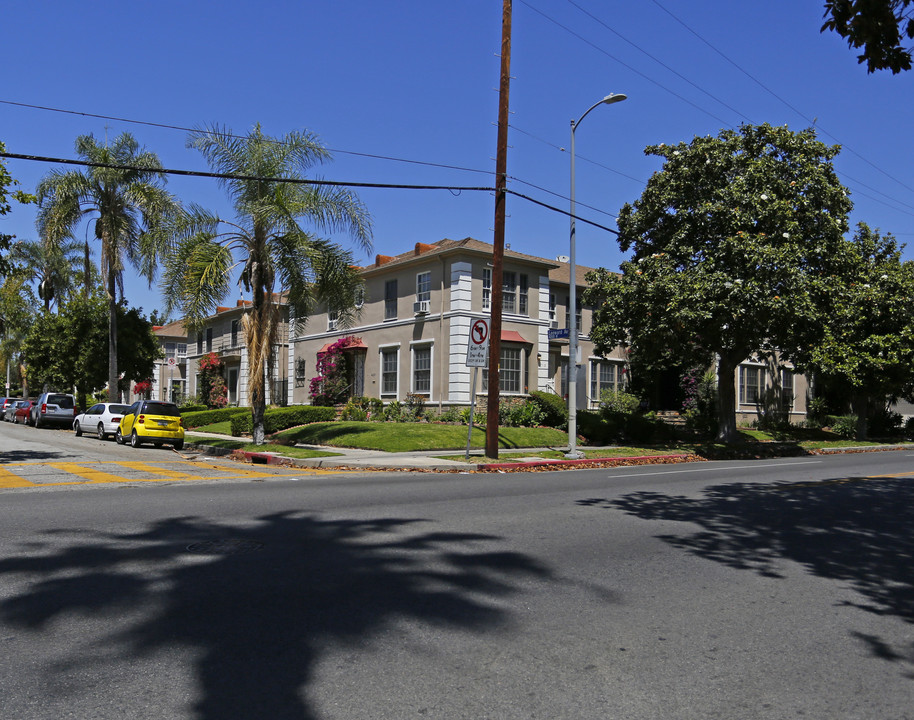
(331, 386)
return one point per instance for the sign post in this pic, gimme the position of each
(477, 357)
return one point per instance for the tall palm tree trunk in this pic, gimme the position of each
(113, 393)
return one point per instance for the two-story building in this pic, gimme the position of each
(412, 333)
(413, 330)
(178, 375)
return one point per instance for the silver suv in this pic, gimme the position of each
(53, 409)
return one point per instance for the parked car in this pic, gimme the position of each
(154, 421)
(53, 409)
(5, 404)
(21, 412)
(101, 419)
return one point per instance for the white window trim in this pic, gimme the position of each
(428, 292)
(762, 388)
(396, 393)
(413, 346)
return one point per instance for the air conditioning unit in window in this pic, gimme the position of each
(554, 324)
(421, 307)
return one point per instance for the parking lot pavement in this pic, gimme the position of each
(98, 472)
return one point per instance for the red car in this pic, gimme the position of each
(23, 408)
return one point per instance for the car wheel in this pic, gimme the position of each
(15, 419)
(118, 438)
(37, 422)
(100, 432)
(179, 444)
(135, 440)
(77, 429)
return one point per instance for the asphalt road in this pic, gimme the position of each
(771, 589)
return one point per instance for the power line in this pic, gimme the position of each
(625, 65)
(167, 126)
(302, 181)
(764, 87)
(373, 156)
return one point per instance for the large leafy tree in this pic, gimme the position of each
(878, 26)
(867, 349)
(68, 349)
(733, 247)
(270, 241)
(121, 193)
(17, 313)
(8, 191)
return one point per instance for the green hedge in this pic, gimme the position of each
(208, 417)
(276, 419)
(554, 408)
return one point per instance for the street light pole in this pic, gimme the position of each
(573, 452)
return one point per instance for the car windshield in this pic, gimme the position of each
(161, 408)
(119, 409)
(63, 401)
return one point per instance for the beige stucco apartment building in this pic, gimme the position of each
(413, 329)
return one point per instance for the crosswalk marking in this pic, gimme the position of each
(40, 474)
(10, 480)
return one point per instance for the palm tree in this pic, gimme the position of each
(265, 179)
(121, 192)
(54, 267)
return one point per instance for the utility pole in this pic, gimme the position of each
(498, 243)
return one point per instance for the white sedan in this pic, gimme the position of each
(101, 419)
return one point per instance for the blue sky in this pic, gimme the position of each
(417, 81)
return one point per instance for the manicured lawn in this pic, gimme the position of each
(219, 428)
(406, 437)
(293, 452)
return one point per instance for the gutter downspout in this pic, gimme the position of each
(441, 336)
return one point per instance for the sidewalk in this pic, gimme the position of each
(422, 460)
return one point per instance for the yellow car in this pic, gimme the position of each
(152, 421)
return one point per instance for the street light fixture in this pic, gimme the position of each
(573, 452)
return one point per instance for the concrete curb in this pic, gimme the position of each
(583, 461)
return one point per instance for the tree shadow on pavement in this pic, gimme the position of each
(20, 456)
(258, 603)
(854, 530)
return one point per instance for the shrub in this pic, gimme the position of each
(618, 403)
(700, 405)
(525, 413)
(843, 425)
(281, 418)
(452, 415)
(553, 407)
(415, 407)
(909, 426)
(479, 418)
(192, 407)
(331, 385)
(884, 422)
(354, 410)
(595, 430)
(394, 411)
(198, 418)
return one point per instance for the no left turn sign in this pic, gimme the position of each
(478, 347)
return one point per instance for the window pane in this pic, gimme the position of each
(422, 364)
(508, 291)
(390, 300)
(522, 295)
(486, 288)
(423, 286)
(389, 372)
